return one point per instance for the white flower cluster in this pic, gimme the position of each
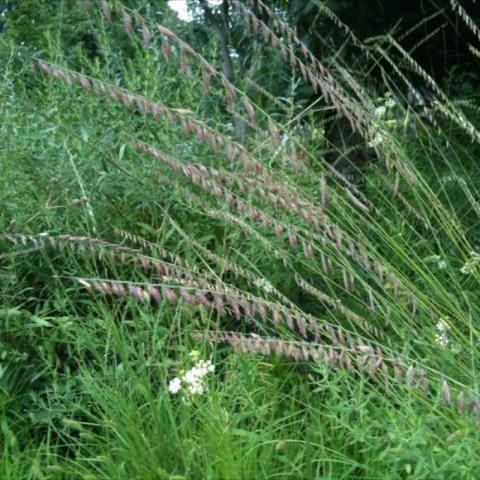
(441, 337)
(192, 381)
(382, 118)
(380, 111)
(471, 264)
(390, 102)
(264, 284)
(441, 263)
(377, 139)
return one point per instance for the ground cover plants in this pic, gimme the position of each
(179, 300)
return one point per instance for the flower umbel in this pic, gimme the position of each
(192, 381)
(175, 385)
(442, 337)
(471, 263)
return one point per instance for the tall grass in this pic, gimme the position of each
(339, 305)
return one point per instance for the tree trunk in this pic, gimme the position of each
(220, 27)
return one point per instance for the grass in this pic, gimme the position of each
(364, 289)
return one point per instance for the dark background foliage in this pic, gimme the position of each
(444, 56)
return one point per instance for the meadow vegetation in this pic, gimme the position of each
(180, 303)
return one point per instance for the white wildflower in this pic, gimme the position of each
(196, 388)
(377, 140)
(442, 337)
(193, 380)
(442, 340)
(471, 264)
(442, 264)
(175, 385)
(390, 103)
(264, 284)
(380, 111)
(442, 327)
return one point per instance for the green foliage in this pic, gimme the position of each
(84, 373)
